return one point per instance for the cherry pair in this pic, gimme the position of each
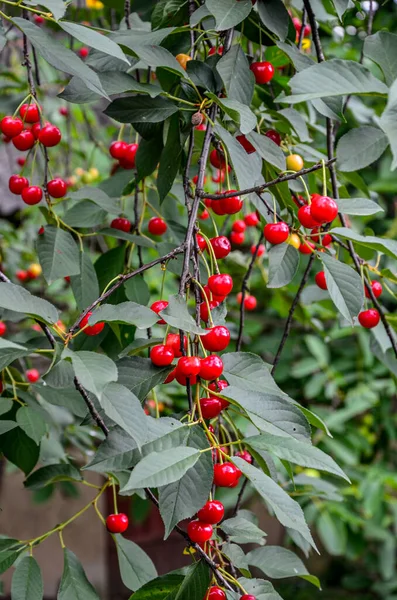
(124, 153)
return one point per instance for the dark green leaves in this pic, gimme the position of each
(124, 408)
(360, 147)
(10, 352)
(177, 315)
(141, 110)
(52, 474)
(283, 265)
(388, 122)
(274, 16)
(136, 568)
(94, 39)
(386, 246)
(99, 197)
(58, 253)
(85, 285)
(31, 422)
(236, 75)
(276, 562)
(94, 371)
(19, 449)
(344, 286)
(27, 583)
(74, 584)
(16, 298)
(140, 375)
(128, 313)
(382, 48)
(268, 150)
(170, 160)
(174, 586)
(228, 13)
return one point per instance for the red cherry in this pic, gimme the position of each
(84, 52)
(214, 50)
(130, 154)
(41, 231)
(226, 475)
(204, 315)
(63, 111)
(212, 512)
(121, 224)
(323, 209)
(274, 136)
(221, 284)
(201, 127)
(276, 233)
(263, 71)
(17, 183)
(219, 177)
(174, 342)
(24, 141)
(161, 355)
(157, 307)
(32, 375)
(22, 275)
(217, 159)
(211, 367)
(237, 238)
(211, 296)
(369, 318)
(305, 217)
(230, 206)
(57, 188)
(246, 144)
(221, 246)
(36, 128)
(218, 386)
(306, 247)
(218, 207)
(377, 289)
(250, 302)
(117, 523)
(91, 329)
(189, 366)
(157, 226)
(325, 239)
(11, 126)
(217, 339)
(204, 215)
(117, 149)
(38, 19)
(21, 161)
(199, 532)
(239, 226)
(320, 280)
(251, 220)
(1, 387)
(201, 243)
(30, 113)
(215, 593)
(182, 379)
(245, 455)
(3, 328)
(210, 407)
(50, 136)
(32, 195)
(261, 250)
(170, 377)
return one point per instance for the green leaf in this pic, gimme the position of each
(358, 206)
(124, 408)
(129, 237)
(242, 531)
(94, 371)
(27, 583)
(228, 13)
(202, 75)
(277, 563)
(59, 56)
(340, 7)
(177, 315)
(31, 423)
(16, 298)
(161, 588)
(236, 75)
(19, 449)
(170, 160)
(136, 568)
(99, 197)
(113, 82)
(6, 405)
(7, 426)
(148, 156)
(345, 287)
(274, 16)
(52, 474)
(93, 39)
(283, 265)
(157, 56)
(333, 77)
(138, 36)
(85, 285)
(332, 532)
(128, 313)
(57, 7)
(386, 246)
(74, 583)
(7, 559)
(140, 375)
(10, 352)
(360, 147)
(161, 468)
(294, 118)
(263, 590)
(68, 398)
(268, 150)
(287, 511)
(247, 371)
(58, 253)
(240, 113)
(388, 122)
(84, 214)
(196, 582)
(137, 290)
(141, 110)
(381, 47)
(297, 452)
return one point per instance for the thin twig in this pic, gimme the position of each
(127, 10)
(94, 414)
(303, 25)
(244, 288)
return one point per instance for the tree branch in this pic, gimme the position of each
(94, 414)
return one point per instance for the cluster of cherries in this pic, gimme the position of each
(217, 593)
(32, 272)
(124, 153)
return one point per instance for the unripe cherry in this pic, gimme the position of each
(294, 162)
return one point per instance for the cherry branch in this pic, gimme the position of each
(127, 10)
(94, 414)
(244, 289)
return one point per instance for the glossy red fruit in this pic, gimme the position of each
(323, 209)
(11, 126)
(237, 238)
(29, 113)
(174, 341)
(306, 247)
(214, 50)
(211, 296)
(21, 161)
(183, 379)
(199, 532)
(157, 226)
(218, 207)
(217, 339)
(377, 289)
(16, 184)
(210, 407)
(117, 149)
(221, 246)
(273, 135)
(201, 243)
(162, 355)
(24, 141)
(239, 226)
(35, 129)
(32, 375)
(117, 523)
(63, 111)
(50, 136)
(204, 315)
(226, 475)
(130, 154)
(220, 284)
(325, 239)
(57, 188)
(245, 455)
(218, 386)
(3, 328)
(204, 215)
(215, 593)
(246, 144)
(250, 302)
(251, 220)
(189, 366)
(261, 250)
(305, 217)
(276, 233)
(219, 176)
(84, 52)
(32, 195)
(121, 224)
(91, 330)
(212, 512)
(263, 71)
(232, 205)
(157, 307)
(369, 318)
(211, 367)
(170, 377)
(320, 280)
(217, 159)
(22, 275)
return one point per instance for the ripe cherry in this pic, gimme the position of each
(325, 239)
(320, 280)
(170, 377)
(211, 367)
(84, 52)
(261, 250)
(246, 144)
(217, 338)
(219, 176)
(32, 195)
(157, 307)
(276, 233)
(117, 523)
(239, 226)
(226, 475)
(232, 205)
(157, 226)
(30, 113)
(323, 209)
(212, 512)
(11, 126)
(63, 111)
(162, 355)
(215, 593)
(204, 315)
(117, 149)
(305, 217)
(24, 141)
(221, 284)
(306, 247)
(263, 71)
(57, 188)
(22, 275)
(273, 135)
(201, 243)
(204, 215)
(218, 207)
(121, 224)
(189, 366)
(211, 296)
(250, 302)
(174, 341)
(32, 375)
(217, 159)
(91, 329)
(21, 161)
(17, 183)
(369, 318)
(237, 238)
(251, 220)
(214, 50)
(221, 246)
(210, 407)
(183, 379)
(3, 328)
(130, 155)
(218, 386)
(50, 136)
(245, 455)
(377, 289)
(199, 532)
(294, 162)
(1, 387)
